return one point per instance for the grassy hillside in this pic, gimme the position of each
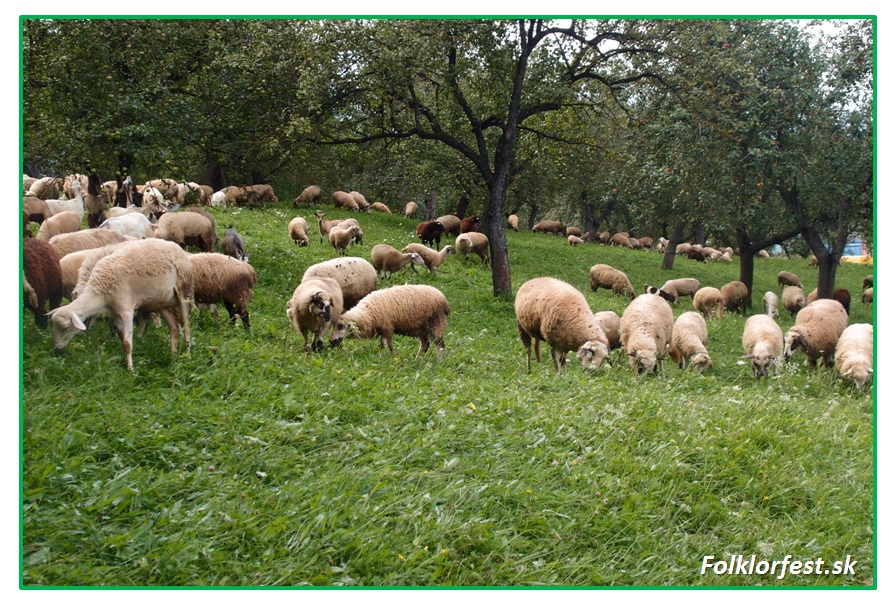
(251, 462)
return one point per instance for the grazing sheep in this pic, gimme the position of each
(854, 354)
(513, 222)
(310, 196)
(46, 188)
(433, 259)
(708, 301)
(868, 296)
(233, 244)
(816, 332)
(222, 278)
(187, 228)
(324, 226)
(688, 342)
(788, 278)
(469, 224)
(844, 297)
(36, 208)
(621, 240)
(762, 253)
(430, 231)
(813, 262)
(868, 282)
(770, 304)
(414, 310)
(410, 210)
(473, 242)
(610, 323)
(793, 299)
(86, 239)
(260, 195)
(646, 329)
(606, 277)
(735, 297)
(316, 304)
(60, 223)
(299, 231)
(219, 200)
(550, 226)
(603, 237)
(572, 231)
(380, 207)
(43, 273)
(634, 243)
(679, 287)
(662, 245)
(451, 224)
(646, 242)
(345, 200)
(340, 236)
(762, 342)
(133, 224)
(386, 259)
(683, 248)
(574, 241)
(694, 254)
(552, 310)
(356, 277)
(360, 201)
(124, 282)
(661, 293)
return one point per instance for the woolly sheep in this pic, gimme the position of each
(610, 323)
(770, 304)
(622, 240)
(299, 231)
(574, 241)
(549, 226)
(29, 295)
(646, 329)
(762, 341)
(410, 210)
(552, 310)
(386, 259)
(816, 332)
(572, 230)
(708, 301)
(688, 342)
(360, 201)
(793, 299)
(646, 242)
(433, 259)
(430, 231)
(260, 195)
(133, 224)
(233, 244)
(187, 228)
(380, 207)
(315, 305)
(451, 224)
(868, 296)
(62, 222)
(681, 287)
(203, 212)
(72, 263)
(469, 224)
(36, 208)
(683, 248)
(473, 242)
(341, 237)
(854, 354)
(310, 196)
(513, 222)
(356, 277)
(868, 282)
(122, 283)
(661, 293)
(788, 278)
(603, 237)
(222, 278)
(218, 200)
(43, 273)
(344, 200)
(86, 239)
(417, 311)
(735, 297)
(606, 277)
(844, 297)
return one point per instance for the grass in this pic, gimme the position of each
(250, 462)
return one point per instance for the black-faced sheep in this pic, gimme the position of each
(552, 310)
(793, 299)
(315, 305)
(708, 301)
(356, 277)
(299, 231)
(868, 282)
(688, 343)
(187, 228)
(124, 282)
(735, 297)
(432, 258)
(43, 273)
(788, 278)
(854, 354)
(667, 296)
(550, 226)
(770, 304)
(223, 278)
(816, 332)
(310, 196)
(646, 329)
(386, 260)
(605, 277)
(762, 341)
(430, 232)
(417, 311)
(86, 239)
(60, 223)
(513, 222)
(473, 242)
(680, 287)
(233, 244)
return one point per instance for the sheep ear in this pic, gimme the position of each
(78, 324)
(847, 373)
(746, 356)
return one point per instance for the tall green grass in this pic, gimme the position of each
(249, 461)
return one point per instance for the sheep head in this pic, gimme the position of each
(343, 329)
(643, 360)
(701, 362)
(592, 354)
(793, 341)
(65, 325)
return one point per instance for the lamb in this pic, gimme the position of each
(816, 332)
(433, 259)
(762, 341)
(788, 278)
(356, 277)
(473, 242)
(62, 222)
(681, 287)
(513, 222)
(606, 277)
(233, 244)
(222, 278)
(735, 297)
(646, 329)
(574, 241)
(550, 226)
(708, 301)
(770, 304)
(345, 200)
(386, 259)
(854, 354)
(122, 283)
(187, 228)
(552, 310)
(310, 196)
(430, 231)
(43, 274)
(793, 299)
(414, 310)
(867, 297)
(340, 236)
(299, 231)
(86, 239)
(410, 210)
(133, 224)
(469, 224)
(316, 304)
(610, 323)
(844, 297)
(380, 207)
(688, 342)
(218, 200)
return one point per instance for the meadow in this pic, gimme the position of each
(251, 462)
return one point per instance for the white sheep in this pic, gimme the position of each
(552, 310)
(793, 299)
(72, 263)
(60, 223)
(133, 224)
(688, 342)
(770, 304)
(708, 301)
(867, 297)
(86, 239)
(574, 241)
(220, 278)
(433, 259)
(417, 311)
(315, 305)
(356, 277)
(610, 323)
(410, 210)
(386, 260)
(473, 242)
(124, 282)
(605, 277)
(299, 231)
(816, 332)
(854, 354)
(380, 207)
(345, 200)
(762, 341)
(218, 200)
(187, 228)
(513, 222)
(646, 329)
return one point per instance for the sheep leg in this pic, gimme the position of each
(124, 323)
(173, 326)
(526, 341)
(387, 341)
(439, 348)
(424, 345)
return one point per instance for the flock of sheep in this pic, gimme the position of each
(102, 271)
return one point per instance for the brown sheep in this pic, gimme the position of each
(469, 224)
(735, 297)
(43, 273)
(430, 231)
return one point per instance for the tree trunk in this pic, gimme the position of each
(462, 206)
(532, 215)
(496, 232)
(670, 254)
(746, 253)
(214, 176)
(827, 275)
(431, 205)
(700, 236)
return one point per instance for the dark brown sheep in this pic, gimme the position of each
(44, 273)
(694, 254)
(469, 224)
(430, 231)
(844, 297)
